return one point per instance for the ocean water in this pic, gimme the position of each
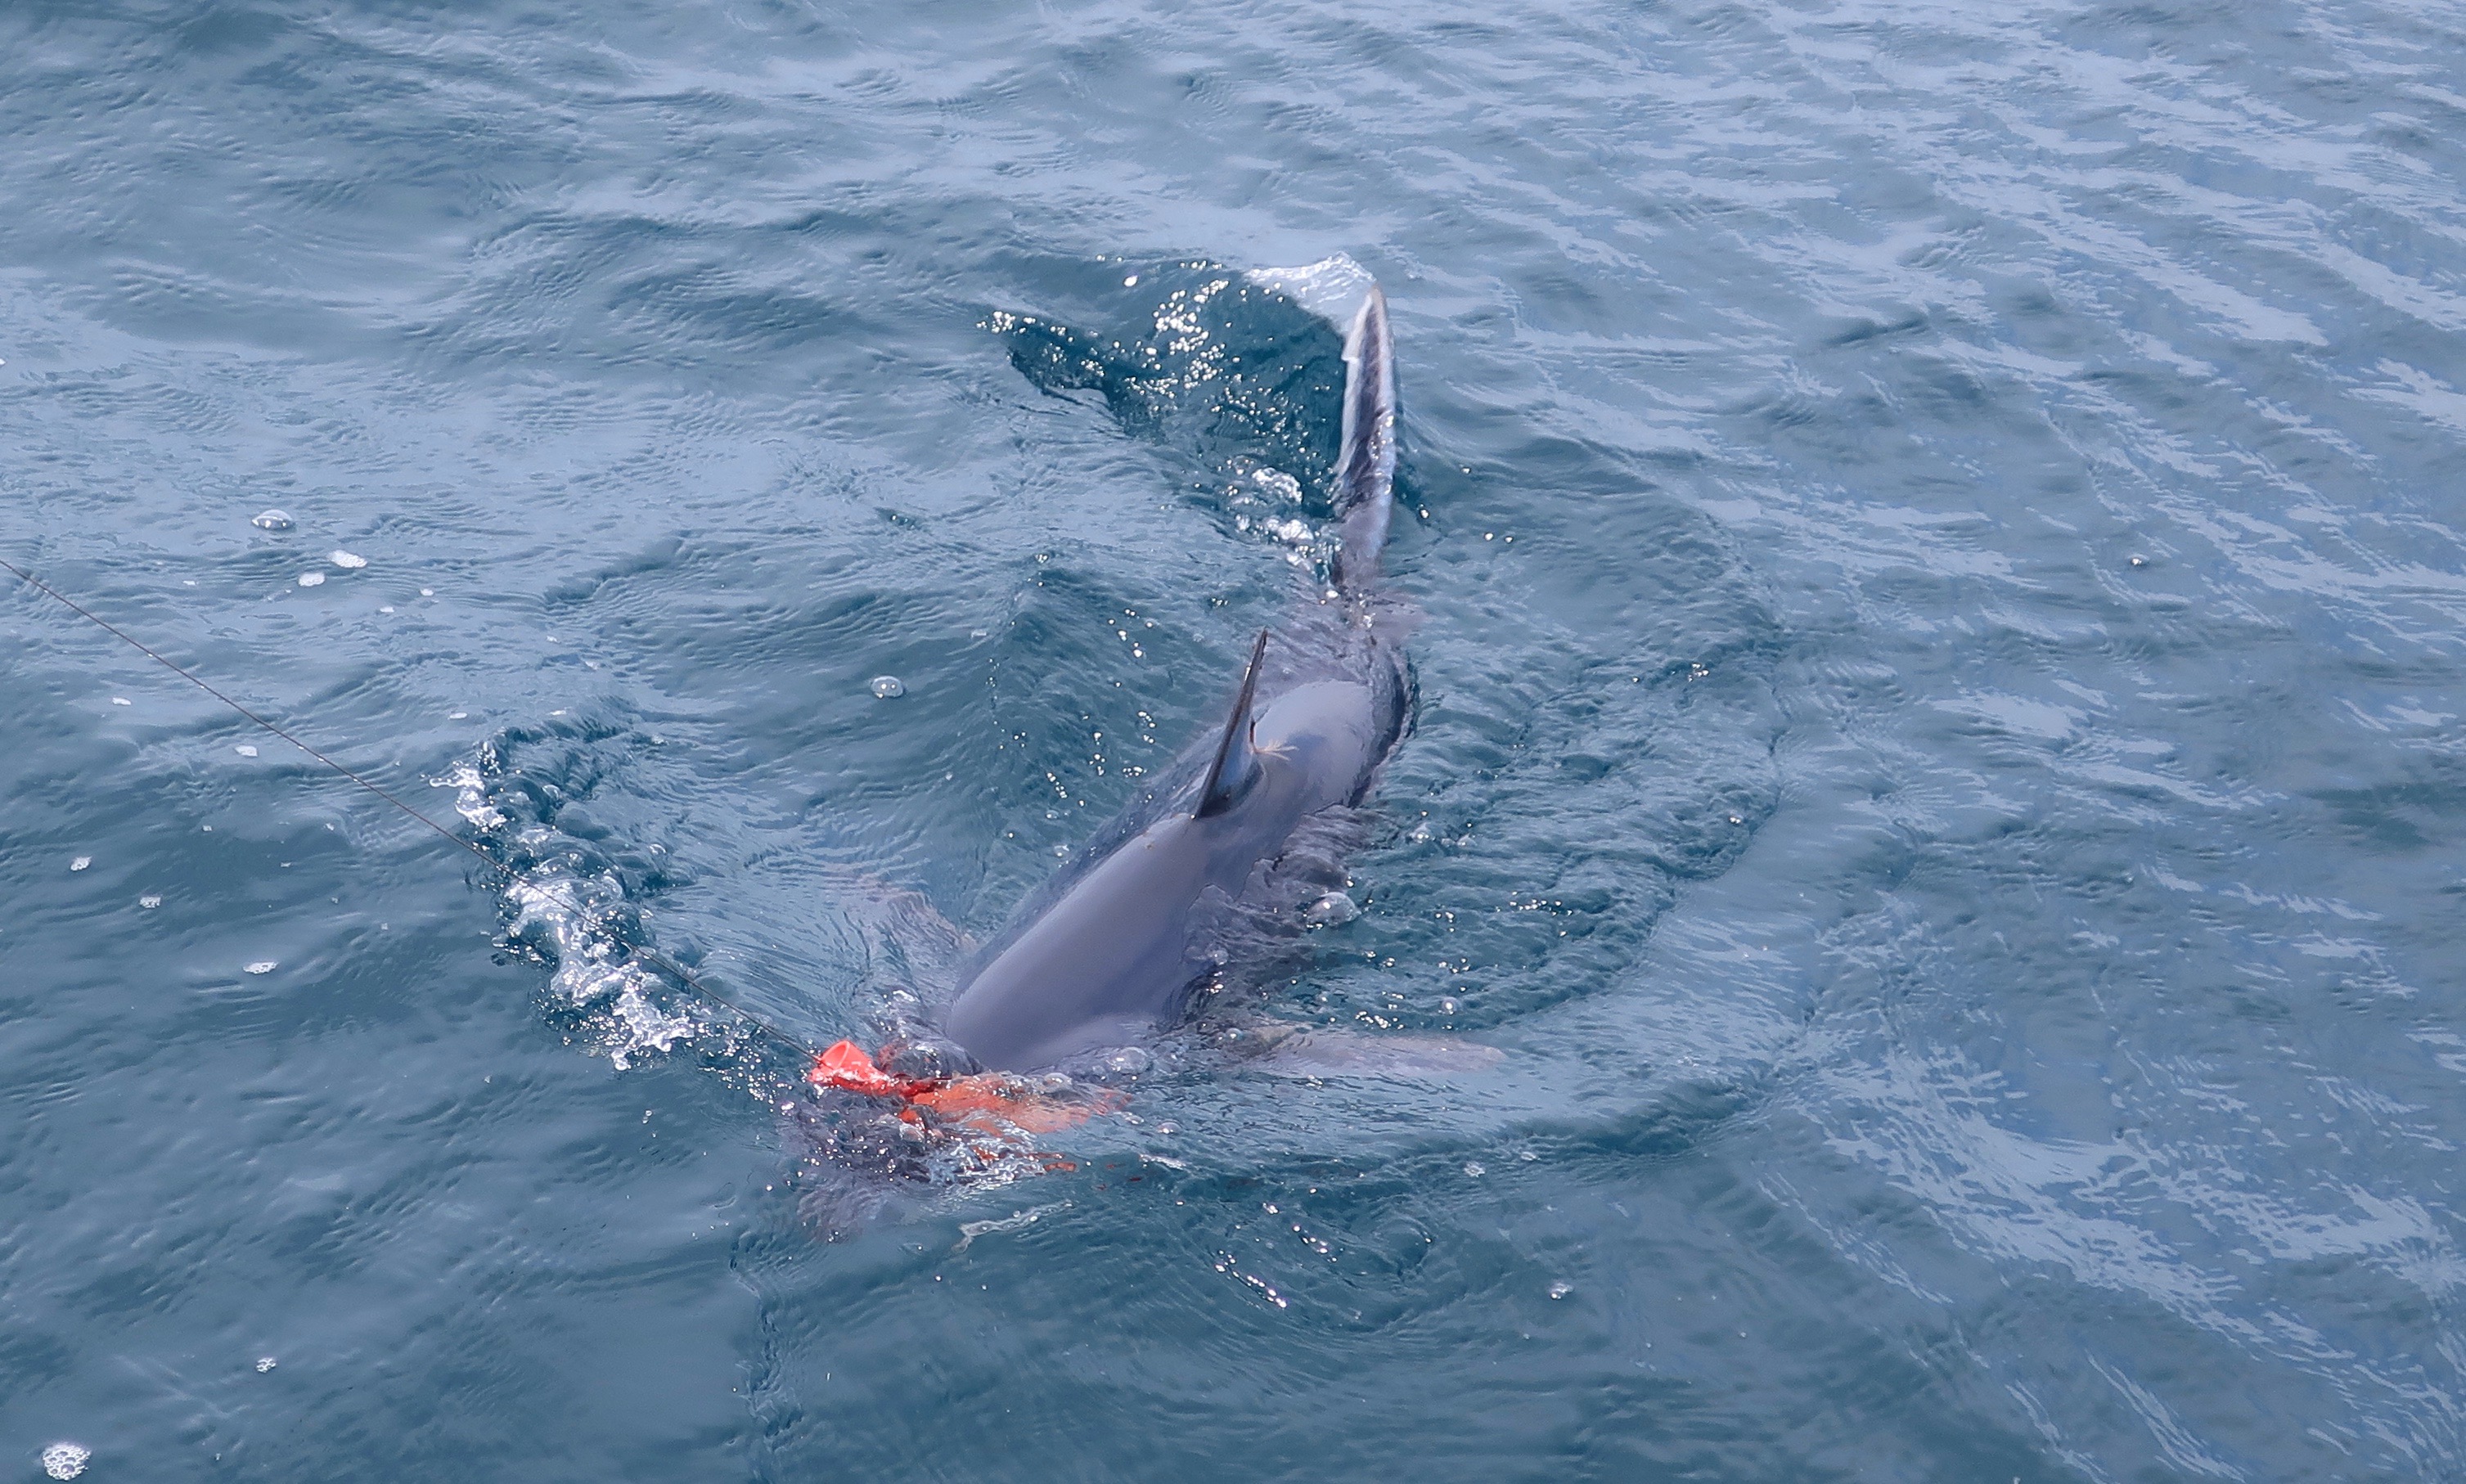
(1936, 531)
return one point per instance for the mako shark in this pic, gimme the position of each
(1202, 887)
(1153, 913)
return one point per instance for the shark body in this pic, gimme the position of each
(1220, 858)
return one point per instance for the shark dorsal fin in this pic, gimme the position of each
(1236, 768)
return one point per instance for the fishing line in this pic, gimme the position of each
(651, 956)
(57, 596)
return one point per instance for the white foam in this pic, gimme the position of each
(1332, 909)
(66, 1460)
(1278, 482)
(312, 579)
(1332, 287)
(572, 918)
(970, 1231)
(576, 918)
(262, 966)
(347, 560)
(471, 797)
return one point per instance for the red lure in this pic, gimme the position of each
(994, 1103)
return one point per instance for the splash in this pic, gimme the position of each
(1231, 365)
(866, 1139)
(577, 923)
(567, 909)
(1333, 289)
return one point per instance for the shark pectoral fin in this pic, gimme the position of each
(1345, 1053)
(1237, 766)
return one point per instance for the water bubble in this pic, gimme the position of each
(122, 700)
(81, 862)
(149, 901)
(245, 750)
(347, 560)
(271, 520)
(1128, 1060)
(312, 579)
(1561, 1288)
(1062, 852)
(384, 607)
(1132, 282)
(262, 966)
(886, 688)
(65, 1460)
(428, 592)
(265, 1362)
(1447, 1005)
(1331, 909)
(1472, 1167)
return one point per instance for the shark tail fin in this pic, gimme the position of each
(1236, 768)
(1365, 470)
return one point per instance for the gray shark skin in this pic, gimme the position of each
(1201, 878)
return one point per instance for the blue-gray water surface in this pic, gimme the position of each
(1937, 537)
